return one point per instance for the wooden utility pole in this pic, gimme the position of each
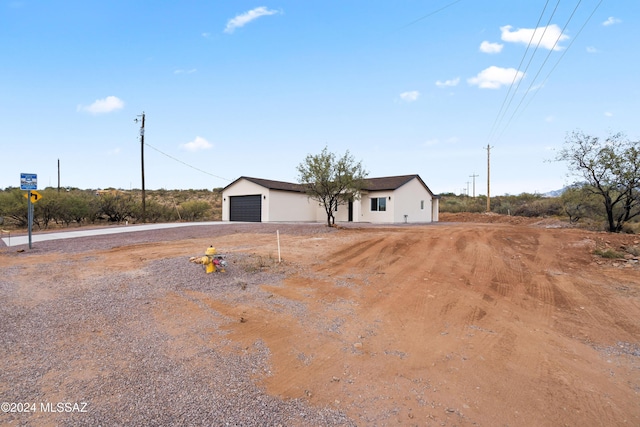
(58, 175)
(488, 178)
(144, 218)
(474, 183)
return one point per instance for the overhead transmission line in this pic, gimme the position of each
(505, 106)
(186, 164)
(564, 52)
(541, 67)
(430, 14)
(494, 128)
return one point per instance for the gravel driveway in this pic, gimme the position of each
(84, 348)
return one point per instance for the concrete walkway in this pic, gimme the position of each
(41, 237)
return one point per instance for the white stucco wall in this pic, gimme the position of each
(290, 206)
(367, 215)
(408, 198)
(435, 210)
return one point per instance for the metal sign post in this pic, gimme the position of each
(29, 215)
(29, 181)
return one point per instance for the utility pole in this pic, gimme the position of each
(474, 183)
(468, 182)
(144, 218)
(58, 175)
(489, 178)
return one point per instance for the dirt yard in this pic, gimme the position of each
(490, 323)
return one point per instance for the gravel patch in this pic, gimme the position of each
(98, 347)
(110, 241)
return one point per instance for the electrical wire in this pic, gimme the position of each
(564, 53)
(529, 89)
(512, 91)
(541, 67)
(186, 164)
(535, 50)
(430, 14)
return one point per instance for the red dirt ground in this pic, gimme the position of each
(513, 322)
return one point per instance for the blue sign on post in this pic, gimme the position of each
(28, 181)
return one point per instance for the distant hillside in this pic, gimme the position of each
(555, 193)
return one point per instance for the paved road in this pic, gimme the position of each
(40, 237)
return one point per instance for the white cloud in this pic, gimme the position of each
(488, 47)
(206, 35)
(547, 37)
(410, 96)
(608, 114)
(197, 144)
(106, 105)
(243, 19)
(191, 71)
(114, 152)
(550, 119)
(611, 20)
(448, 83)
(591, 49)
(495, 77)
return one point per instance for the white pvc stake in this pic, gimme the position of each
(278, 235)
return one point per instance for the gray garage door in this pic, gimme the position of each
(245, 208)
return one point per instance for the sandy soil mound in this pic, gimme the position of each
(447, 324)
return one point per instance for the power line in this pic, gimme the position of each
(542, 66)
(186, 164)
(565, 52)
(499, 116)
(430, 14)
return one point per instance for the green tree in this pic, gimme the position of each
(117, 207)
(331, 181)
(611, 169)
(13, 205)
(46, 209)
(74, 206)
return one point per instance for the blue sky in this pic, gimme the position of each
(232, 88)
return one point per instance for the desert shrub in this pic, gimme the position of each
(540, 208)
(118, 207)
(578, 204)
(454, 204)
(13, 207)
(194, 210)
(608, 253)
(155, 212)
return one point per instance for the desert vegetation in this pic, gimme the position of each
(76, 207)
(578, 206)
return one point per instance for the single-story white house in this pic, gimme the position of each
(393, 199)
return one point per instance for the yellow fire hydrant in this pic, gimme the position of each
(212, 262)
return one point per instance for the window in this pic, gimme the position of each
(421, 204)
(379, 204)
